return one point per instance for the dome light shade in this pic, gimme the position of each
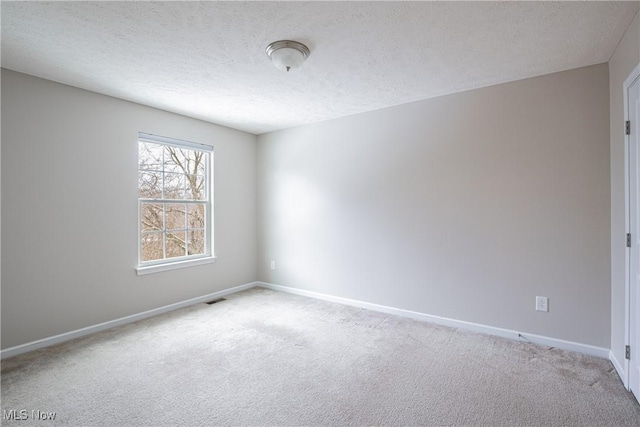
(287, 55)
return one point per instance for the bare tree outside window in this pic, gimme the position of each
(173, 195)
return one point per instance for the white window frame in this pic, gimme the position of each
(165, 264)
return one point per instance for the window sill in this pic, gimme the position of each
(149, 269)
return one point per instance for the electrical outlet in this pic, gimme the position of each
(273, 265)
(542, 304)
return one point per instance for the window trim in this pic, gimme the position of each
(167, 266)
(208, 257)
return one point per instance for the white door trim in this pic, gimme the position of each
(635, 74)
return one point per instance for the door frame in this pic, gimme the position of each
(633, 76)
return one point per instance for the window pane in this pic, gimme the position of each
(151, 216)
(196, 242)
(198, 166)
(175, 216)
(151, 246)
(174, 186)
(183, 160)
(195, 187)
(175, 159)
(150, 185)
(175, 244)
(150, 156)
(196, 216)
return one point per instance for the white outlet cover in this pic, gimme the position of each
(542, 303)
(273, 265)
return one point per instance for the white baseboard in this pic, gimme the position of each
(619, 369)
(56, 339)
(490, 330)
(507, 333)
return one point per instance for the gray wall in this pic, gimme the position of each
(465, 206)
(623, 61)
(69, 209)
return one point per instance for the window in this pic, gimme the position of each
(174, 203)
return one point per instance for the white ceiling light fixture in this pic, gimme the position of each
(287, 55)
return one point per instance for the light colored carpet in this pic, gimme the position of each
(268, 358)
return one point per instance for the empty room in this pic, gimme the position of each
(320, 213)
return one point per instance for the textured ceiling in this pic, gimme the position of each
(206, 59)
